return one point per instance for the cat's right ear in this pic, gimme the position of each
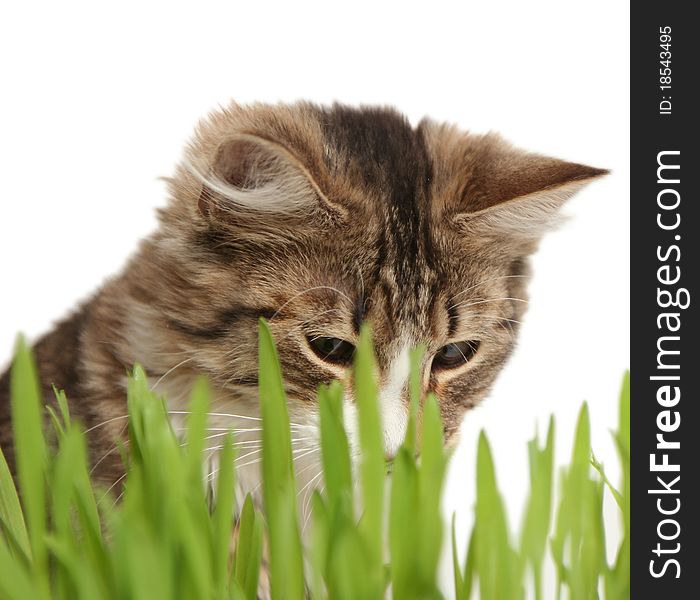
(251, 177)
(515, 196)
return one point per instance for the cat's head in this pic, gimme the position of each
(321, 219)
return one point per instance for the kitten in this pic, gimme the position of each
(317, 219)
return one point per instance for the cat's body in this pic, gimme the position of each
(317, 219)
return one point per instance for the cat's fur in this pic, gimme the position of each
(317, 219)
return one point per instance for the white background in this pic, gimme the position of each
(98, 99)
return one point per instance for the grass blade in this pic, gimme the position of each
(372, 467)
(222, 519)
(11, 515)
(433, 466)
(495, 561)
(246, 567)
(16, 583)
(404, 542)
(158, 537)
(279, 489)
(533, 541)
(335, 452)
(31, 457)
(196, 427)
(319, 546)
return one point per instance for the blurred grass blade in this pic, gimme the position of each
(196, 426)
(279, 488)
(622, 439)
(246, 568)
(84, 585)
(222, 518)
(598, 466)
(617, 579)
(433, 466)
(582, 440)
(161, 531)
(11, 515)
(372, 467)
(533, 541)
(16, 583)
(335, 451)
(319, 546)
(469, 567)
(495, 561)
(74, 510)
(31, 456)
(404, 541)
(348, 566)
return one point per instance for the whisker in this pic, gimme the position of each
(235, 444)
(496, 317)
(223, 432)
(215, 472)
(111, 487)
(184, 428)
(301, 325)
(187, 412)
(216, 414)
(467, 304)
(295, 451)
(484, 281)
(112, 450)
(491, 318)
(169, 371)
(308, 483)
(306, 291)
(307, 504)
(236, 378)
(300, 456)
(231, 415)
(316, 464)
(306, 468)
(106, 422)
(235, 429)
(462, 353)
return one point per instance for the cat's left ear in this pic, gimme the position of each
(251, 179)
(515, 195)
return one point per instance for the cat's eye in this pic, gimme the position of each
(332, 349)
(455, 354)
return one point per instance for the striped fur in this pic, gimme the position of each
(318, 219)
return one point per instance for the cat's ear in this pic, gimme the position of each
(250, 175)
(515, 195)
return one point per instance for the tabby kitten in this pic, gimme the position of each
(317, 219)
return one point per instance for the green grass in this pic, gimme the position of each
(167, 536)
